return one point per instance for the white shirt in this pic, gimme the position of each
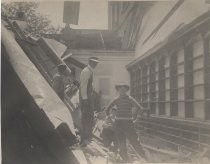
(85, 75)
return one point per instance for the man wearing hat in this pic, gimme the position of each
(86, 102)
(124, 127)
(59, 80)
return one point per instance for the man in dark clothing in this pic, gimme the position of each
(124, 127)
(108, 132)
(86, 102)
(59, 80)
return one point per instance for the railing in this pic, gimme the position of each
(180, 137)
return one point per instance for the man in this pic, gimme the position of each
(86, 102)
(124, 127)
(108, 131)
(59, 80)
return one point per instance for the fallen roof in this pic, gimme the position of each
(89, 39)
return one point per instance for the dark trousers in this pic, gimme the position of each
(125, 129)
(108, 136)
(87, 119)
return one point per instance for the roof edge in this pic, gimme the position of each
(174, 36)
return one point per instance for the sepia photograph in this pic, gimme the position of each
(105, 81)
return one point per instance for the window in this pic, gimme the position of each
(181, 109)
(180, 56)
(167, 86)
(138, 79)
(173, 85)
(198, 63)
(198, 48)
(167, 106)
(193, 81)
(180, 79)
(207, 77)
(145, 88)
(168, 95)
(181, 94)
(180, 69)
(132, 82)
(198, 78)
(161, 96)
(135, 83)
(152, 87)
(199, 92)
(178, 85)
(199, 109)
(189, 111)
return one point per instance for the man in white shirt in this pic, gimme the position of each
(86, 102)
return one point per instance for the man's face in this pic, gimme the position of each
(93, 64)
(122, 90)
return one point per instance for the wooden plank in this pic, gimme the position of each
(80, 156)
(98, 147)
(99, 160)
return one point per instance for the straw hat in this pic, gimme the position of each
(122, 84)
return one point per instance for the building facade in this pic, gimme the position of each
(170, 73)
(174, 80)
(170, 76)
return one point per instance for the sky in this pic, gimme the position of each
(93, 13)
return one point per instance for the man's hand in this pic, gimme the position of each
(135, 121)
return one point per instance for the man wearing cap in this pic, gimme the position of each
(86, 102)
(124, 127)
(59, 80)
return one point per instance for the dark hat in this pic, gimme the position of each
(94, 59)
(122, 84)
(61, 67)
